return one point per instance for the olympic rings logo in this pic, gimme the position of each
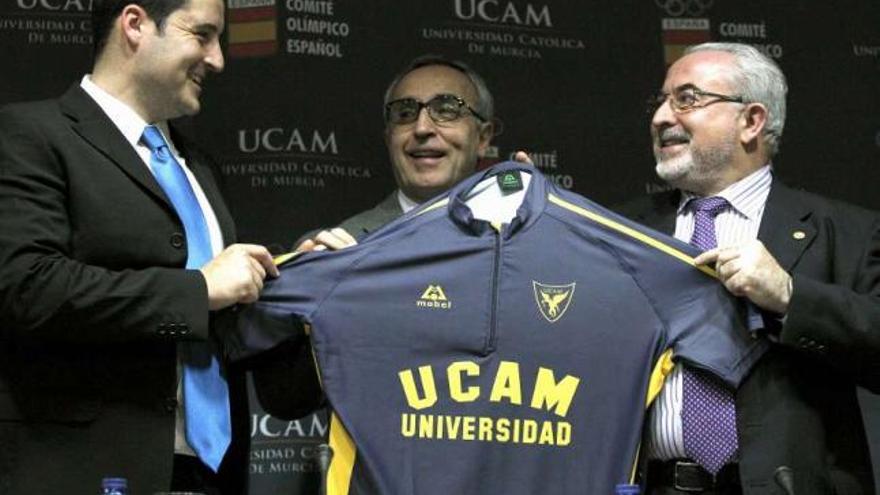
(676, 8)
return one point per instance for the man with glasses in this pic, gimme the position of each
(430, 150)
(439, 120)
(810, 264)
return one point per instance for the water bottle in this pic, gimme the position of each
(627, 489)
(114, 486)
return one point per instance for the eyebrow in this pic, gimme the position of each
(684, 86)
(206, 27)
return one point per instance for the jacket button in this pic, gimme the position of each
(169, 404)
(177, 240)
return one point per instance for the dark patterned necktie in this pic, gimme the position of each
(205, 392)
(708, 412)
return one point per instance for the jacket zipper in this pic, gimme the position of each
(490, 343)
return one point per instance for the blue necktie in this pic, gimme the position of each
(708, 410)
(205, 393)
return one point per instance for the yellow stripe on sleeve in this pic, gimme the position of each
(635, 234)
(342, 463)
(438, 204)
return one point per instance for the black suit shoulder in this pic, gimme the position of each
(842, 211)
(367, 221)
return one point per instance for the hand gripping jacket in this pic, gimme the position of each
(463, 359)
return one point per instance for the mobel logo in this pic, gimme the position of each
(56, 5)
(495, 11)
(279, 139)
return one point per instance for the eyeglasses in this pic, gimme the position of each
(441, 108)
(687, 99)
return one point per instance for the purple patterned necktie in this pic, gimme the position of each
(708, 411)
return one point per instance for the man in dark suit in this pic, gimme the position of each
(430, 150)
(811, 264)
(439, 121)
(100, 285)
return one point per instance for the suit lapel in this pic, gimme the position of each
(786, 229)
(96, 128)
(386, 211)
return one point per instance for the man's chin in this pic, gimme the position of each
(673, 170)
(189, 105)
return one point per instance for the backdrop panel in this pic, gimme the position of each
(295, 121)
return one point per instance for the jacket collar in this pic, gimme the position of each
(786, 228)
(528, 212)
(95, 127)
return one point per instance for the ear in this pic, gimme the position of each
(134, 23)
(753, 120)
(487, 132)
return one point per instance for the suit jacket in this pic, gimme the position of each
(798, 407)
(94, 300)
(363, 223)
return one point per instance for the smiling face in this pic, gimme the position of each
(173, 62)
(428, 158)
(699, 150)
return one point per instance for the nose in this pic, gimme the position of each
(663, 116)
(424, 124)
(214, 58)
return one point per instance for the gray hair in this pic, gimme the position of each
(758, 80)
(485, 104)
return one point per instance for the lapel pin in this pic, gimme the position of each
(798, 235)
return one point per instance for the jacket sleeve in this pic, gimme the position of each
(839, 321)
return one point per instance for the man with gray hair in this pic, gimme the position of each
(811, 265)
(430, 150)
(439, 120)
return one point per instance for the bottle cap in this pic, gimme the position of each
(114, 483)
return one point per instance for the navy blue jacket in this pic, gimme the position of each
(463, 358)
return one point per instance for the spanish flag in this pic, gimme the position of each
(253, 28)
(680, 33)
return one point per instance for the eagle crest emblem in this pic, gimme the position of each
(553, 300)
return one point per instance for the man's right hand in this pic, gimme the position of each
(332, 239)
(236, 275)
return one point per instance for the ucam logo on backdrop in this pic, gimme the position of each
(279, 139)
(502, 28)
(503, 12)
(281, 157)
(279, 446)
(56, 5)
(48, 22)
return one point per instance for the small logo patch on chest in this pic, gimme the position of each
(553, 300)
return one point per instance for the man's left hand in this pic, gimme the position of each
(750, 271)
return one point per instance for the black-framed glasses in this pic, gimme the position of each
(689, 98)
(441, 108)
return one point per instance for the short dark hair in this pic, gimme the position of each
(485, 104)
(104, 12)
